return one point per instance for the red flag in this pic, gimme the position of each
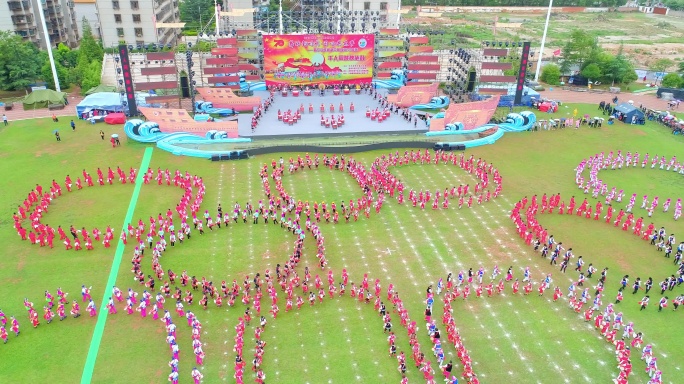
(557, 52)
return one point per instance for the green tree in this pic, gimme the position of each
(592, 72)
(515, 66)
(89, 47)
(581, 47)
(672, 80)
(551, 74)
(194, 11)
(618, 69)
(92, 75)
(65, 55)
(46, 71)
(680, 67)
(19, 62)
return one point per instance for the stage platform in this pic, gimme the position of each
(356, 123)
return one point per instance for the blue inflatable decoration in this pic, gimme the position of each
(515, 122)
(208, 107)
(396, 80)
(179, 143)
(438, 102)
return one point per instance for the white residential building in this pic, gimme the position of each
(86, 9)
(136, 22)
(22, 17)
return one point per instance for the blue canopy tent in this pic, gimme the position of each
(628, 111)
(105, 101)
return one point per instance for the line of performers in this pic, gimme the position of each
(263, 108)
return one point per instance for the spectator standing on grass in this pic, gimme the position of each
(4, 119)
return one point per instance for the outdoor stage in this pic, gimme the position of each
(356, 123)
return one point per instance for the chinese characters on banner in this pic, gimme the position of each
(315, 59)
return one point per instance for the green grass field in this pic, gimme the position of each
(511, 338)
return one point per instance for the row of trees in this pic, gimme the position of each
(676, 5)
(583, 54)
(674, 80)
(21, 63)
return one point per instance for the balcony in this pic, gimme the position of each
(22, 20)
(27, 33)
(18, 6)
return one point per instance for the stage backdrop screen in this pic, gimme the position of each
(315, 59)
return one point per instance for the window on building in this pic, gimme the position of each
(139, 43)
(115, 4)
(117, 18)
(120, 32)
(138, 32)
(134, 5)
(383, 5)
(136, 18)
(366, 5)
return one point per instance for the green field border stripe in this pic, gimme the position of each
(89, 367)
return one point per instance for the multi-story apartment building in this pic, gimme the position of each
(87, 9)
(340, 14)
(136, 22)
(22, 17)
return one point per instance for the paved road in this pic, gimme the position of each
(18, 112)
(648, 100)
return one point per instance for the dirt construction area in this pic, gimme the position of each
(644, 37)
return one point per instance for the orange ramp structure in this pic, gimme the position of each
(469, 115)
(225, 98)
(410, 95)
(179, 120)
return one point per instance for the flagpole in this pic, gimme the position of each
(217, 9)
(280, 17)
(543, 42)
(48, 45)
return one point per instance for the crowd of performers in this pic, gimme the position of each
(553, 250)
(618, 160)
(380, 113)
(38, 201)
(483, 172)
(608, 322)
(366, 180)
(55, 306)
(366, 291)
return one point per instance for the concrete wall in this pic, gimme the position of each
(89, 11)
